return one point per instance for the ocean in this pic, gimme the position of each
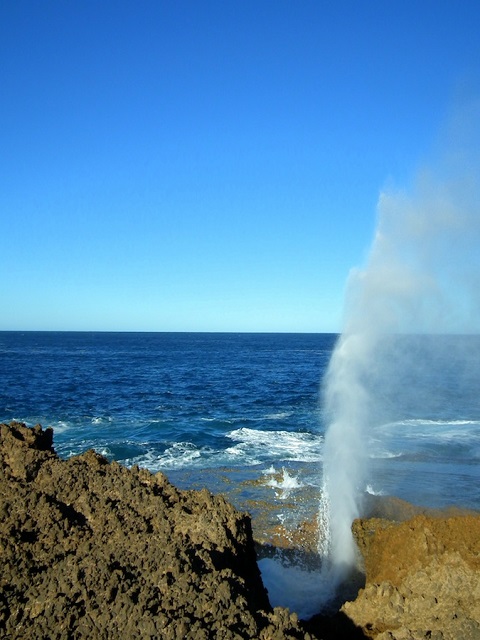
(237, 413)
(240, 414)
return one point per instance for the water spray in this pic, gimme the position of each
(421, 277)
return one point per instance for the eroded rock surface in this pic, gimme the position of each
(92, 549)
(422, 578)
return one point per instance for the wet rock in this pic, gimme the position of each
(93, 549)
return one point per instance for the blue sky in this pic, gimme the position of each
(211, 166)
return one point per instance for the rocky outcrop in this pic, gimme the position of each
(91, 549)
(422, 578)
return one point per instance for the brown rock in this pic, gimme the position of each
(91, 549)
(423, 578)
(25, 450)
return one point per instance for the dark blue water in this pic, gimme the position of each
(238, 413)
(132, 393)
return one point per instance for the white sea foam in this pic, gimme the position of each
(178, 456)
(270, 471)
(384, 455)
(281, 415)
(422, 422)
(432, 430)
(67, 449)
(251, 447)
(373, 492)
(104, 451)
(60, 426)
(297, 447)
(240, 454)
(101, 419)
(285, 485)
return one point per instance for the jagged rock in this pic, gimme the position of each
(422, 578)
(92, 549)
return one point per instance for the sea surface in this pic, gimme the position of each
(240, 414)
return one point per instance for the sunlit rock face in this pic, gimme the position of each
(423, 578)
(91, 549)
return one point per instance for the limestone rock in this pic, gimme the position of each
(91, 549)
(422, 578)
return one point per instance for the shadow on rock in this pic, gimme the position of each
(334, 627)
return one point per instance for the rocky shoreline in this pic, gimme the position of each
(422, 578)
(92, 549)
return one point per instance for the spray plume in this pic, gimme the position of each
(421, 277)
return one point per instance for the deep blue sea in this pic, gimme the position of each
(238, 413)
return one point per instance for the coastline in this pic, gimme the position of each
(91, 548)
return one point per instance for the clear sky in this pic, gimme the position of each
(210, 165)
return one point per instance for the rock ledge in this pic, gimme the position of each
(422, 578)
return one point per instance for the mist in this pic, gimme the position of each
(405, 310)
